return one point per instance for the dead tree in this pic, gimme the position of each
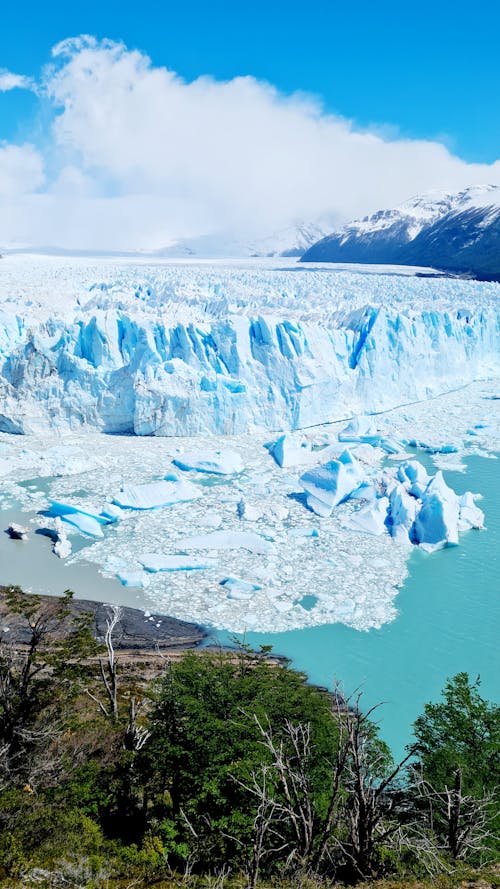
(369, 809)
(466, 818)
(108, 669)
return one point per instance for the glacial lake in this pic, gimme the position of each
(448, 615)
(448, 621)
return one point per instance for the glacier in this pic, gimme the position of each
(192, 349)
(96, 354)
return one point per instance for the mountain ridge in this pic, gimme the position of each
(459, 233)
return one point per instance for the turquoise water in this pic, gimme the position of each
(448, 621)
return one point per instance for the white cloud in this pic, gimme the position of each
(21, 170)
(142, 156)
(11, 81)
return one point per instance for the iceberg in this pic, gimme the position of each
(87, 522)
(224, 462)
(62, 546)
(328, 485)
(402, 511)
(436, 523)
(153, 495)
(221, 540)
(414, 477)
(470, 515)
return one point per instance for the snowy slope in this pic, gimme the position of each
(457, 232)
(291, 241)
(196, 348)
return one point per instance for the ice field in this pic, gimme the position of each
(260, 528)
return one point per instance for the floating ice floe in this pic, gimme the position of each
(167, 492)
(328, 485)
(443, 448)
(132, 578)
(225, 462)
(287, 451)
(17, 532)
(222, 540)
(154, 562)
(90, 523)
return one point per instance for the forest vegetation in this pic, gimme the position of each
(228, 770)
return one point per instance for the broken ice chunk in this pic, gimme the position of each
(154, 562)
(286, 451)
(156, 494)
(328, 485)
(470, 515)
(229, 540)
(224, 462)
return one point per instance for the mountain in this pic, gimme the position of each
(290, 241)
(458, 233)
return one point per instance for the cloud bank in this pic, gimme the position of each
(134, 157)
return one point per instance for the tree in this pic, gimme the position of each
(206, 749)
(458, 743)
(39, 665)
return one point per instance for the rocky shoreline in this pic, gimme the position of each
(136, 631)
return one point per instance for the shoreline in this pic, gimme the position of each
(137, 633)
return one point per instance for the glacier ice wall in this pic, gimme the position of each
(162, 369)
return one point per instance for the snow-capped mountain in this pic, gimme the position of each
(455, 232)
(290, 241)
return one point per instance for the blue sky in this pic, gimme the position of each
(186, 119)
(430, 69)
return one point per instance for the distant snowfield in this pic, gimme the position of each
(236, 548)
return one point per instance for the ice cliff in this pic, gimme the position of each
(227, 353)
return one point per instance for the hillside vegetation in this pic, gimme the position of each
(228, 770)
